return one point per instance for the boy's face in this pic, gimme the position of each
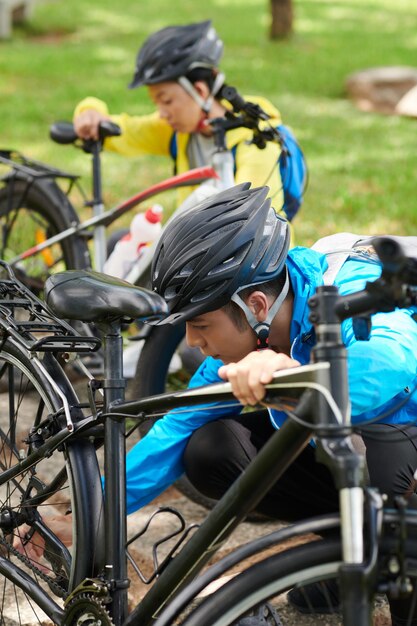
(175, 106)
(218, 336)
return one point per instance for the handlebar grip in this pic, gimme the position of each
(360, 303)
(390, 254)
(109, 129)
(239, 104)
(232, 96)
(395, 261)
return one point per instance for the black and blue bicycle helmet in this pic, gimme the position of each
(176, 50)
(232, 240)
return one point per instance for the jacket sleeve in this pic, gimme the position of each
(141, 134)
(155, 462)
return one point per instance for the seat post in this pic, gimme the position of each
(115, 472)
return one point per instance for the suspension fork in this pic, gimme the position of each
(345, 464)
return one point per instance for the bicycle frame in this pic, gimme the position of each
(102, 219)
(285, 445)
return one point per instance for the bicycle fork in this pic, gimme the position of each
(356, 574)
(345, 464)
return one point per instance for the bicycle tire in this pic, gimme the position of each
(68, 479)
(151, 378)
(30, 212)
(270, 579)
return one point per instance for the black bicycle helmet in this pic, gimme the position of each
(176, 50)
(205, 255)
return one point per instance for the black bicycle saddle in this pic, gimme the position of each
(90, 296)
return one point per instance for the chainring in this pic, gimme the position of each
(86, 610)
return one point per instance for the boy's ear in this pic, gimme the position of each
(202, 88)
(258, 304)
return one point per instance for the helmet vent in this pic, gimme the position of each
(207, 294)
(236, 225)
(234, 261)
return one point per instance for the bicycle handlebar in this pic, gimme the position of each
(261, 136)
(64, 133)
(239, 104)
(251, 114)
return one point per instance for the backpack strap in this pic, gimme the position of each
(292, 171)
(339, 247)
(173, 150)
(233, 150)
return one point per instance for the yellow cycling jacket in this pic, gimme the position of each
(149, 134)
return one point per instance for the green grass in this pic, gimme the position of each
(362, 165)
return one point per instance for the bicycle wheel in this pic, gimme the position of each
(152, 377)
(269, 580)
(32, 587)
(30, 213)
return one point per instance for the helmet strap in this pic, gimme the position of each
(262, 329)
(205, 105)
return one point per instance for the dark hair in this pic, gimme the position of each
(271, 288)
(205, 74)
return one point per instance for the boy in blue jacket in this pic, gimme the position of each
(225, 268)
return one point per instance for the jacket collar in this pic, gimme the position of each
(306, 268)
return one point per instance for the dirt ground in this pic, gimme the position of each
(245, 532)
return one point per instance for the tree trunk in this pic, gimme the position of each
(282, 18)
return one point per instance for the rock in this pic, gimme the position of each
(408, 104)
(380, 88)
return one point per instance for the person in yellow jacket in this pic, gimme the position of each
(179, 66)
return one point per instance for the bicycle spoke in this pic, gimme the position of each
(30, 213)
(23, 408)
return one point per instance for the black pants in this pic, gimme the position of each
(219, 451)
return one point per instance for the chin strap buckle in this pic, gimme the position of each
(262, 336)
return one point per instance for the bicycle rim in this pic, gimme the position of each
(30, 214)
(33, 586)
(270, 580)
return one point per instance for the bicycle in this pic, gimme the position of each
(379, 556)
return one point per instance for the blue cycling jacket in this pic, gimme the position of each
(382, 372)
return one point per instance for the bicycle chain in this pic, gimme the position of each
(57, 589)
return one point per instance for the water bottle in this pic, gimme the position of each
(144, 229)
